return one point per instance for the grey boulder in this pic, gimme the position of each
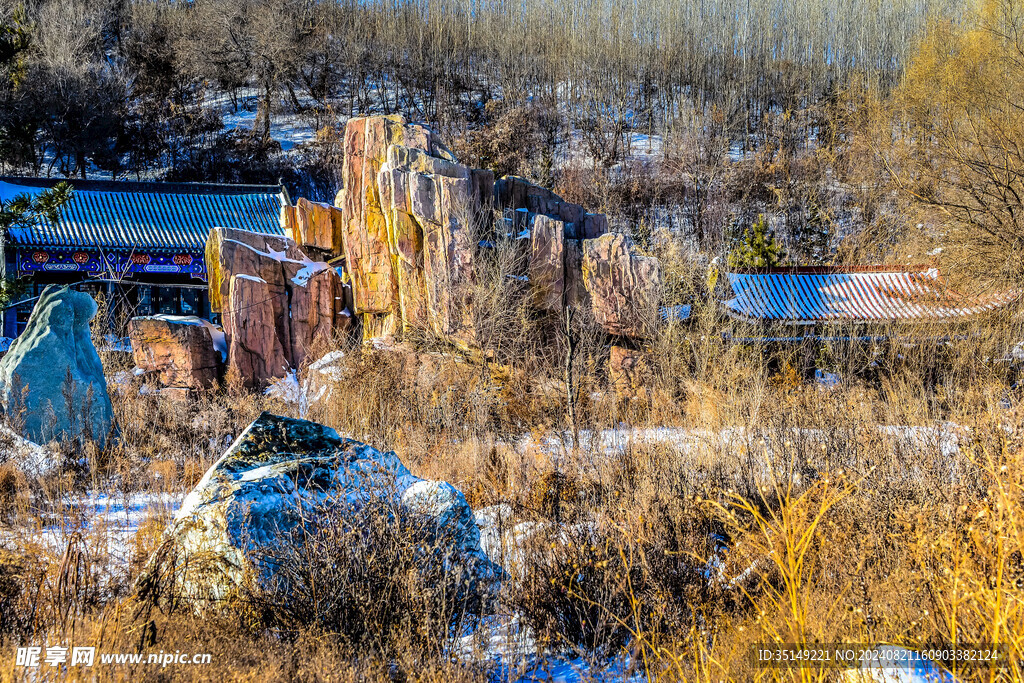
(51, 380)
(274, 485)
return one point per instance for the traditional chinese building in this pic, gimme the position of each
(139, 244)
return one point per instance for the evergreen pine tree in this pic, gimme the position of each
(758, 248)
(26, 208)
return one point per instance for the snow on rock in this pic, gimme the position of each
(308, 270)
(274, 482)
(315, 387)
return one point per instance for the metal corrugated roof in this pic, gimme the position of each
(808, 295)
(130, 215)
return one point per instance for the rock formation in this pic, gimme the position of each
(52, 379)
(409, 214)
(432, 208)
(512, 194)
(365, 238)
(624, 287)
(275, 303)
(547, 263)
(277, 481)
(315, 226)
(181, 350)
(410, 222)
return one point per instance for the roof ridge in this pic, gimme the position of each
(834, 270)
(154, 186)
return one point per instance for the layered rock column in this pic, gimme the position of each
(371, 258)
(432, 207)
(547, 263)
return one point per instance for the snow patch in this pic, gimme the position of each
(309, 270)
(31, 458)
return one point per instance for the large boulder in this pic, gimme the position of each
(547, 263)
(51, 380)
(315, 225)
(183, 351)
(276, 482)
(255, 352)
(624, 286)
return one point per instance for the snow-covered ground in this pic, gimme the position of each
(287, 129)
(108, 523)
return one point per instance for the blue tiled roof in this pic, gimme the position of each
(870, 293)
(151, 215)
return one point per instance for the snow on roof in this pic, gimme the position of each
(148, 215)
(872, 293)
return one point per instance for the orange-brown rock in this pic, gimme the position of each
(255, 352)
(629, 372)
(432, 207)
(576, 295)
(179, 349)
(547, 263)
(224, 254)
(316, 320)
(624, 287)
(315, 225)
(285, 303)
(364, 228)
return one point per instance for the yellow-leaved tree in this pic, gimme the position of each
(955, 144)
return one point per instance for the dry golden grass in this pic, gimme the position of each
(837, 514)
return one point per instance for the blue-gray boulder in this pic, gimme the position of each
(279, 482)
(51, 380)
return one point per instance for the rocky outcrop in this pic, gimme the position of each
(431, 208)
(410, 214)
(182, 351)
(51, 379)
(315, 225)
(275, 303)
(256, 351)
(365, 237)
(624, 286)
(231, 250)
(574, 261)
(274, 485)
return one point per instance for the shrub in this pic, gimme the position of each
(368, 573)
